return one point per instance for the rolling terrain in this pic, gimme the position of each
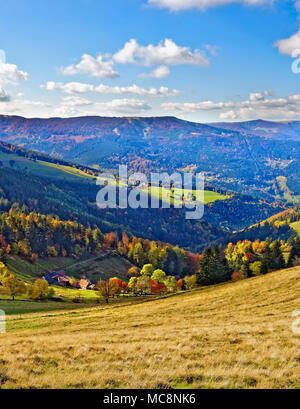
(68, 190)
(235, 335)
(243, 158)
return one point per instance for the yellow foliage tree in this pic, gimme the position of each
(39, 290)
(12, 286)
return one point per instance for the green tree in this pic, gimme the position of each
(159, 276)
(213, 268)
(255, 268)
(295, 252)
(147, 270)
(277, 259)
(171, 284)
(139, 255)
(266, 261)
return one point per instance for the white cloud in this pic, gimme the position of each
(77, 106)
(257, 106)
(95, 67)
(24, 107)
(167, 52)
(123, 105)
(115, 107)
(190, 107)
(69, 87)
(160, 72)
(177, 5)
(76, 101)
(10, 72)
(290, 45)
(258, 96)
(136, 90)
(4, 96)
(81, 88)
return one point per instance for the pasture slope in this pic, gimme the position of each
(234, 335)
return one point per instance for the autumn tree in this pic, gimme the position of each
(171, 284)
(147, 270)
(107, 289)
(12, 286)
(3, 272)
(133, 272)
(159, 276)
(40, 290)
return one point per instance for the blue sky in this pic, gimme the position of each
(202, 60)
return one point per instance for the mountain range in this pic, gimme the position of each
(257, 157)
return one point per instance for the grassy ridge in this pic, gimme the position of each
(235, 335)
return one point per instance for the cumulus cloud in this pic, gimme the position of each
(167, 52)
(258, 105)
(177, 5)
(95, 67)
(258, 96)
(81, 88)
(290, 45)
(160, 72)
(69, 87)
(10, 72)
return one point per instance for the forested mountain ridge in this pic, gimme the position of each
(245, 159)
(284, 130)
(56, 187)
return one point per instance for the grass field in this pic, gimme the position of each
(175, 197)
(296, 227)
(43, 168)
(235, 335)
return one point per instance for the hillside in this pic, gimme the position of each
(68, 190)
(102, 266)
(236, 335)
(280, 226)
(233, 159)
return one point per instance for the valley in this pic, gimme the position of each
(236, 335)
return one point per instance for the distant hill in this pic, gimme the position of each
(243, 157)
(285, 130)
(280, 226)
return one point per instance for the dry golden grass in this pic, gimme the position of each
(236, 335)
